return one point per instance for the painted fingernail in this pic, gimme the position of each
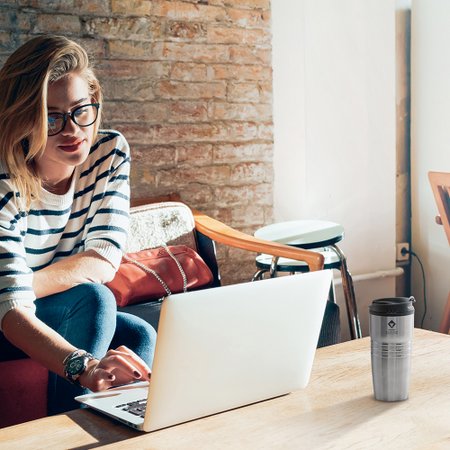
(137, 374)
(149, 375)
(111, 376)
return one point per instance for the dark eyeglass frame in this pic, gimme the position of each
(65, 116)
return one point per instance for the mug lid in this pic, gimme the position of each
(395, 306)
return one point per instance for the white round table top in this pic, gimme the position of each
(301, 232)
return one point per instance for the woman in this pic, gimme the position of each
(64, 200)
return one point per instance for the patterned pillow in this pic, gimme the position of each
(154, 224)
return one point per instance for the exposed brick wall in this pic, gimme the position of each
(189, 84)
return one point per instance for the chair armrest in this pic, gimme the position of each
(223, 234)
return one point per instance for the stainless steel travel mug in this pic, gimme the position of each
(391, 329)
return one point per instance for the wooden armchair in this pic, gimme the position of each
(166, 219)
(440, 184)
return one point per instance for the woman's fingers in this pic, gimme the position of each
(140, 368)
(119, 366)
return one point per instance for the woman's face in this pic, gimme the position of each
(69, 148)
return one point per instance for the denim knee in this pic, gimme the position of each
(136, 334)
(97, 298)
(90, 321)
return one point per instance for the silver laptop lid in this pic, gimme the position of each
(226, 347)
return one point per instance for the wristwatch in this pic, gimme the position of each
(75, 364)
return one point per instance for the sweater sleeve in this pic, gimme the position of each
(108, 229)
(16, 278)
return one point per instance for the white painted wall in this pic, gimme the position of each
(430, 148)
(334, 127)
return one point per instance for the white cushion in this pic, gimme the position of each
(155, 224)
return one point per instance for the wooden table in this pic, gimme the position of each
(336, 411)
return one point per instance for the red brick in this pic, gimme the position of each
(130, 69)
(184, 90)
(58, 23)
(239, 72)
(268, 215)
(185, 52)
(47, 5)
(189, 72)
(260, 194)
(6, 42)
(188, 111)
(208, 175)
(249, 18)
(142, 112)
(237, 131)
(130, 50)
(265, 92)
(246, 215)
(243, 92)
(192, 31)
(141, 181)
(129, 90)
(234, 271)
(240, 111)
(232, 153)
(97, 7)
(242, 4)
(243, 257)
(137, 28)
(221, 214)
(14, 21)
(176, 10)
(197, 194)
(250, 55)
(136, 133)
(240, 36)
(203, 132)
(265, 131)
(154, 156)
(195, 154)
(131, 7)
(248, 173)
(178, 133)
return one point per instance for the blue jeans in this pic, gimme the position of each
(86, 316)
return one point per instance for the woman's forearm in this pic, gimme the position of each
(24, 330)
(86, 267)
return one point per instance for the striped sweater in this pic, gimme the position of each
(92, 215)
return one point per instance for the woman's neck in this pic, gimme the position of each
(59, 187)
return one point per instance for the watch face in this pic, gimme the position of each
(76, 366)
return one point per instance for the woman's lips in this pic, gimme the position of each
(71, 147)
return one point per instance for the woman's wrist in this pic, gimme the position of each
(86, 378)
(75, 365)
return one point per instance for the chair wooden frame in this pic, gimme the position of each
(440, 184)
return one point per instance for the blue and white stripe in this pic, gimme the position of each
(93, 214)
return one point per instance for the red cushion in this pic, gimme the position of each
(23, 391)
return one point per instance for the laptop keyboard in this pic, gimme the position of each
(136, 407)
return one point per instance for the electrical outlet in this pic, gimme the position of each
(402, 251)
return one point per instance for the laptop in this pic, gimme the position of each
(222, 348)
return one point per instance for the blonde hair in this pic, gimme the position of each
(24, 81)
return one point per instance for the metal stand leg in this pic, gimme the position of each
(349, 294)
(259, 275)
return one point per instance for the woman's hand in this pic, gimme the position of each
(117, 367)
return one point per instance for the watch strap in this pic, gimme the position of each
(76, 354)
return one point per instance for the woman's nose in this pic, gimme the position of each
(70, 127)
